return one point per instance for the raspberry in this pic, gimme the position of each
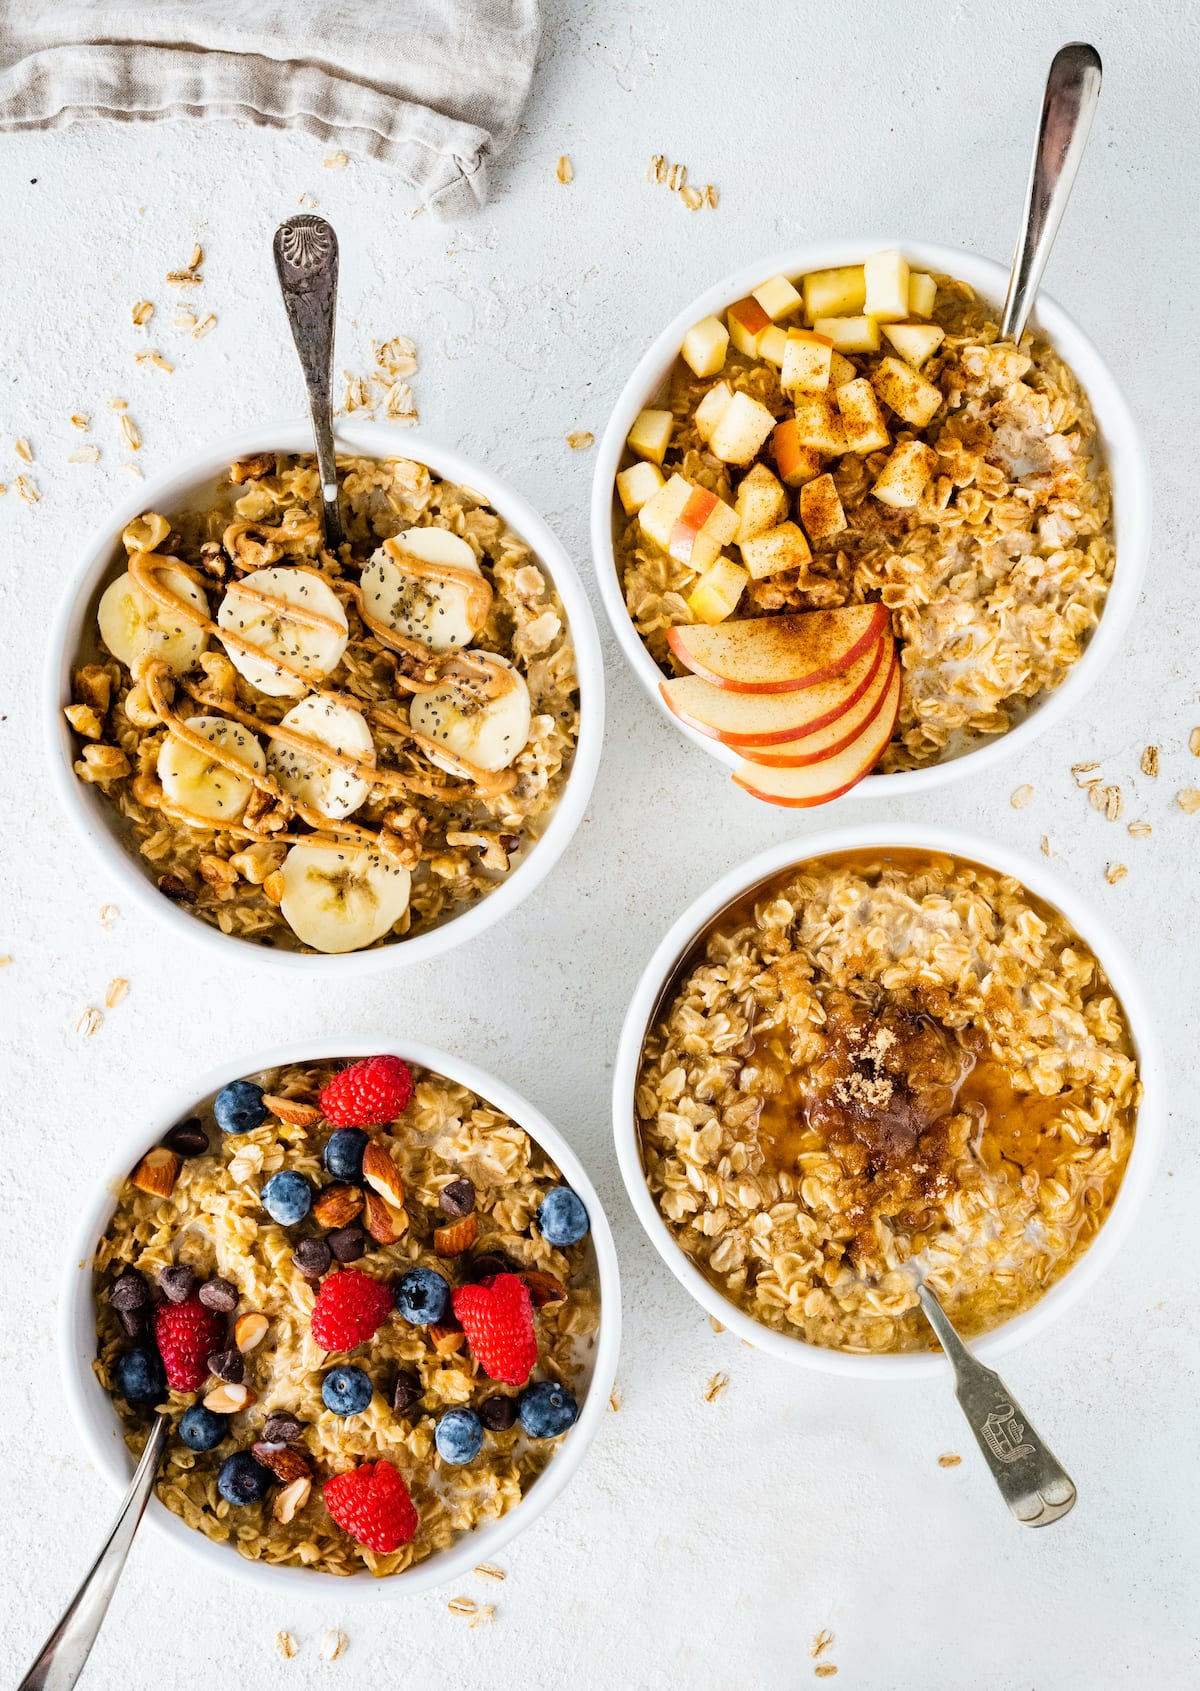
(350, 1307)
(497, 1317)
(368, 1093)
(372, 1504)
(186, 1333)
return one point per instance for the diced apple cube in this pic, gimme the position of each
(761, 503)
(834, 293)
(783, 548)
(807, 358)
(716, 594)
(745, 424)
(711, 409)
(651, 434)
(658, 516)
(702, 528)
(705, 345)
(887, 287)
(778, 298)
(795, 462)
(909, 395)
(747, 320)
(902, 480)
(862, 420)
(819, 423)
(915, 342)
(850, 334)
(821, 508)
(922, 292)
(772, 344)
(841, 371)
(637, 484)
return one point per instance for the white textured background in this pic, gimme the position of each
(701, 1544)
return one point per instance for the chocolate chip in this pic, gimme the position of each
(129, 1290)
(219, 1294)
(228, 1365)
(312, 1257)
(498, 1413)
(510, 843)
(178, 1283)
(348, 1243)
(176, 890)
(408, 1391)
(171, 545)
(282, 1429)
(132, 1321)
(486, 1264)
(188, 1139)
(458, 1198)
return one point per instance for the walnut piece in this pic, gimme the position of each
(102, 763)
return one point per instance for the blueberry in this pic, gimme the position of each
(561, 1217)
(422, 1296)
(546, 1409)
(200, 1429)
(347, 1391)
(459, 1436)
(241, 1479)
(343, 1153)
(239, 1107)
(139, 1376)
(287, 1197)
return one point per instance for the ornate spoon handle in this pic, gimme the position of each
(1030, 1478)
(61, 1658)
(306, 262)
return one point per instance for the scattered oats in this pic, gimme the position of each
(1095, 794)
(285, 1644)
(1150, 761)
(488, 1570)
(1140, 830)
(822, 1642)
(1114, 873)
(482, 1616)
(1114, 804)
(118, 404)
(80, 420)
(358, 395)
(155, 358)
(1194, 742)
(185, 320)
(398, 403)
(336, 161)
(204, 326)
(715, 1387)
(197, 258)
(462, 1605)
(183, 278)
(143, 311)
(676, 177)
(117, 989)
(89, 1022)
(108, 915)
(84, 455)
(717, 1326)
(692, 198)
(711, 196)
(133, 470)
(656, 167)
(5, 961)
(1047, 848)
(614, 1400)
(1083, 773)
(27, 489)
(1021, 797)
(397, 356)
(1188, 800)
(24, 450)
(824, 1670)
(308, 201)
(580, 439)
(334, 1644)
(949, 1459)
(130, 433)
(566, 170)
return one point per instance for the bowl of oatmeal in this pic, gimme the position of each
(310, 760)
(305, 1266)
(879, 1055)
(778, 452)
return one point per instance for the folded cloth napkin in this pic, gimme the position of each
(433, 87)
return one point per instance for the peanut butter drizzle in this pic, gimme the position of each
(293, 613)
(490, 783)
(474, 583)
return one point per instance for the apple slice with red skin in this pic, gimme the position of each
(745, 720)
(699, 508)
(838, 734)
(816, 783)
(776, 654)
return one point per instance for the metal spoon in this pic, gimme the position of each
(1068, 106)
(61, 1658)
(306, 262)
(1031, 1480)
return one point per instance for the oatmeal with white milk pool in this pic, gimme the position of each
(884, 1066)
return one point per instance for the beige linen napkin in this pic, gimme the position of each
(432, 87)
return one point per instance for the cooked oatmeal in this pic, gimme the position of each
(995, 567)
(319, 751)
(883, 1067)
(213, 1222)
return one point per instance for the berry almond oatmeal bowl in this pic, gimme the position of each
(878, 1057)
(375, 1295)
(842, 529)
(318, 760)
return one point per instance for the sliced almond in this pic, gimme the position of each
(447, 1341)
(157, 1172)
(383, 1221)
(292, 1111)
(381, 1173)
(337, 1206)
(457, 1237)
(227, 1399)
(291, 1500)
(286, 1463)
(250, 1330)
(543, 1288)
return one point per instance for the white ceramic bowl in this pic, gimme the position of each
(172, 492)
(1111, 954)
(1122, 441)
(101, 1429)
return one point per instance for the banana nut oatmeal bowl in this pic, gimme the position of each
(311, 751)
(368, 1303)
(876, 1066)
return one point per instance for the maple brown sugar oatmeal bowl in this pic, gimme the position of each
(379, 1310)
(882, 1058)
(300, 755)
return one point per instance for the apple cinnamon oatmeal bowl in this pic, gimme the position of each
(374, 1296)
(307, 754)
(843, 529)
(881, 1059)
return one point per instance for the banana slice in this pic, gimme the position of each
(340, 898)
(134, 627)
(199, 785)
(437, 613)
(487, 731)
(314, 651)
(332, 791)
